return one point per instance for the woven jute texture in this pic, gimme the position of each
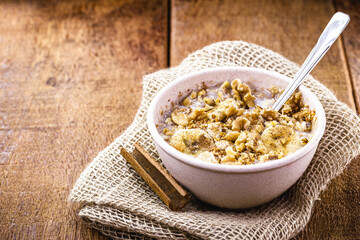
(119, 203)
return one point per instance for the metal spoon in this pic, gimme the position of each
(332, 31)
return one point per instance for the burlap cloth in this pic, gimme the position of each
(119, 203)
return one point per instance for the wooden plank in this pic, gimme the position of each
(288, 27)
(70, 82)
(351, 42)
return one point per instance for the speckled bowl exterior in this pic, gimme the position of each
(233, 186)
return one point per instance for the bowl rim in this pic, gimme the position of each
(189, 160)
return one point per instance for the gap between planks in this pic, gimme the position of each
(354, 104)
(347, 71)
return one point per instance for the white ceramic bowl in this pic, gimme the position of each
(229, 186)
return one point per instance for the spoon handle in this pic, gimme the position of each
(332, 31)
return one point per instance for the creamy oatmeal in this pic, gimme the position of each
(225, 125)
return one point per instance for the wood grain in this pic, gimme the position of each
(70, 82)
(290, 28)
(351, 40)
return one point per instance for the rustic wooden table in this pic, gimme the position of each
(70, 83)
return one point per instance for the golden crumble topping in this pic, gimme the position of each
(226, 125)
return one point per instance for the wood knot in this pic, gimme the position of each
(51, 81)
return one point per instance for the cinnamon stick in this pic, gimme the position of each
(160, 181)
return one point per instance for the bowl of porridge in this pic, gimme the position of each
(218, 136)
